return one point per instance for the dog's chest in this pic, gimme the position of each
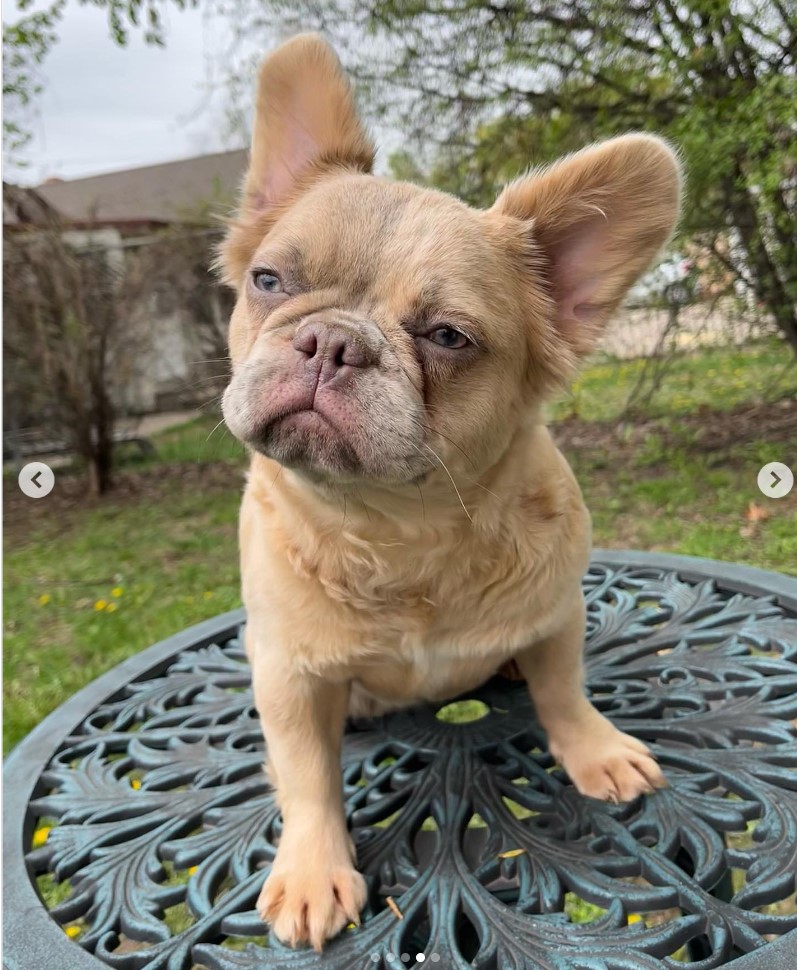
(448, 635)
(429, 676)
(430, 668)
(420, 670)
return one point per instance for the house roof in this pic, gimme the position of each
(183, 191)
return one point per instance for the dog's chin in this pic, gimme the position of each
(309, 444)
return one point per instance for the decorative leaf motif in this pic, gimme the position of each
(471, 827)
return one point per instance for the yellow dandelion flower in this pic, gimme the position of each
(110, 607)
(207, 594)
(192, 870)
(40, 836)
(634, 918)
(100, 605)
(44, 599)
(72, 931)
(117, 591)
(136, 783)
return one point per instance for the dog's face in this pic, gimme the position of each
(383, 330)
(378, 324)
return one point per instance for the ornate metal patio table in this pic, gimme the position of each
(161, 824)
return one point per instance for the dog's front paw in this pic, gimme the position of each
(607, 764)
(305, 902)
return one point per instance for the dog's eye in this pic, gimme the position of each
(266, 281)
(449, 338)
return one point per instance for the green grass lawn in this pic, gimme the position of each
(693, 502)
(717, 378)
(100, 580)
(90, 587)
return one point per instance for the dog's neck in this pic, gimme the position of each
(449, 499)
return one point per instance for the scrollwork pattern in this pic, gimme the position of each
(159, 806)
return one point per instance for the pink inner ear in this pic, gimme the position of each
(575, 307)
(286, 161)
(577, 272)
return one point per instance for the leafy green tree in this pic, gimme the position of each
(502, 84)
(25, 45)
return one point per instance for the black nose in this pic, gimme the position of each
(331, 348)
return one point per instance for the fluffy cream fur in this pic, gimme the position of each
(458, 538)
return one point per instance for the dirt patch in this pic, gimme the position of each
(705, 430)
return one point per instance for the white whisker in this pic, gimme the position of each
(451, 478)
(214, 430)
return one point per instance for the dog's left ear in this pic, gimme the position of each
(596, 219)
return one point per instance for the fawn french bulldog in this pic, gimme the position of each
(408, 525)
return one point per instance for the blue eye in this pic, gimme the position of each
(449, 338)
(266, 281)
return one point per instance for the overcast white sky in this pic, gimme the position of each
(105, 108)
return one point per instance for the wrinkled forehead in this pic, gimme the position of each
(393, 242)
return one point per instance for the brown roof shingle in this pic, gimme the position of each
(184, 191)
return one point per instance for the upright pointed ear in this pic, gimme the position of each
(597, 219)
(305, 122)
(304, 118)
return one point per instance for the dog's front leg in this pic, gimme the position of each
(313, 889)
(602, 761)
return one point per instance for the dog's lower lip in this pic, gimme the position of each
(303, 416)
(308, 421)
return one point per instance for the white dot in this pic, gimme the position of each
(420, 957)
(435, 958)
(405, 958)
(375, 957)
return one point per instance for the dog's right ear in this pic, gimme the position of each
(305, 123)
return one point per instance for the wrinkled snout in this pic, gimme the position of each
(329, 397)
(330, 350)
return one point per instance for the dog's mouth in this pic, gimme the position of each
(307, 418)
(309, 440)
(366, 428)
(303, 419)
